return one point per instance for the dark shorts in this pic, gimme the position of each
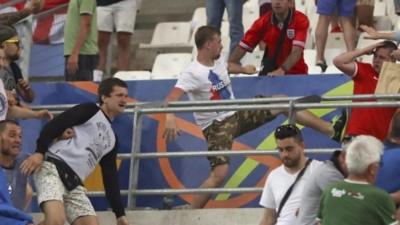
(328, 7)
(86, 65)
(220, 134)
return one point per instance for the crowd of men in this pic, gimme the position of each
(301, 191)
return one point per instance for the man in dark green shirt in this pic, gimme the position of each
(356, 200)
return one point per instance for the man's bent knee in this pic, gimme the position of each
(217, 161)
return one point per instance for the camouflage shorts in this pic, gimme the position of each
(220, 134)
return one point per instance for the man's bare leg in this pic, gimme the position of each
(215, 179)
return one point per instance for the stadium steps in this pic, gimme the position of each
(238, 216)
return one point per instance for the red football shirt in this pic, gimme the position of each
(264, 29)
(368, 121)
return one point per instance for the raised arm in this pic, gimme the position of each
(13, 17)
(375, 35)
(345, 62)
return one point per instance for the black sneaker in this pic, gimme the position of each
(339, 124)
(323, 65)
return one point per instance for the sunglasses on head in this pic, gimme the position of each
(12, 41)
(287, 130)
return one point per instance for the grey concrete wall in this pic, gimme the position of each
(245, 216)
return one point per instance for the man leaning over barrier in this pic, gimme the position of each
(61, 166)
(206, 78)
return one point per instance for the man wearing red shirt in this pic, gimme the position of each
(267, 28)
(367, 121)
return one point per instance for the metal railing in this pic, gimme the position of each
(291, 103)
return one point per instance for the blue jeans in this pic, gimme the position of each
(215, 11)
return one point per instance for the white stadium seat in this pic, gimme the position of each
(133, 75)
(169, 65)
(170, 34)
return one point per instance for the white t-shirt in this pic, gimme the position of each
(276, 185)
(202, 83)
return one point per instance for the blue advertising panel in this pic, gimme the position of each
(190, 172)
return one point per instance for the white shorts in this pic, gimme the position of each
(121, 15)
(50, 187)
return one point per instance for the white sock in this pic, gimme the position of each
(97, 75)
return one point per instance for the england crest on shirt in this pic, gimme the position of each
(290, 33)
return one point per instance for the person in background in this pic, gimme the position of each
(325, 9)
(80, 40)
(11, 158)
(121, 16)
(388, 179)
(285, 184)
(364, 12)
(9, 215)
(356, 200)
(215, 11)
(327, 173)
(11, 74)
(367, 121)
(276, 61)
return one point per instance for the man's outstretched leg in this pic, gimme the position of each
(334, 129)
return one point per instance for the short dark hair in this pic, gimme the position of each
(204, 34)
(390, 45)
(107, 85)
(288, 131)
(395, 126)
(4, 123)
(7, 32)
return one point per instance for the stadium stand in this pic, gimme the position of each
(169, 65)
(133, 75)
(181, 21)
(163, 49)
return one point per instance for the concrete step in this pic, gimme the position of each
(248, 216)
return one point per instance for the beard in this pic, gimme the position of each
(291, 163)
(13, 58)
